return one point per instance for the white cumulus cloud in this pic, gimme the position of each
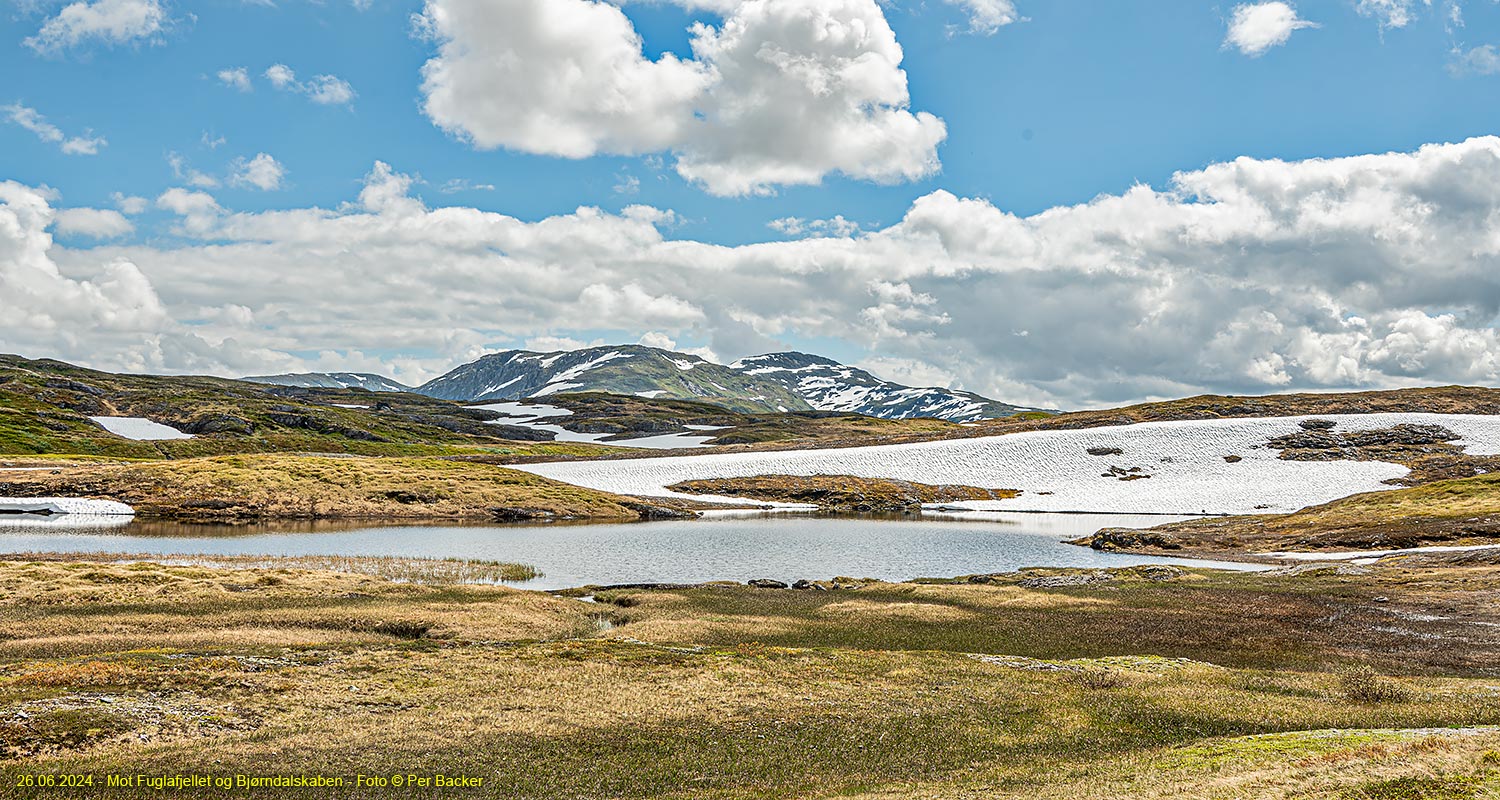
(783, 92)
(1390, 13)
(235, 77)
(1480, 60)
(112, 311)
(987, 16)
(328, 90)
(97, 223)
(130, 204)
(261, 172)
(32, 120)
(1256, 28)
(107, 21)
(184, 171)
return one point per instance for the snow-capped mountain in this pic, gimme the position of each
(333, 380)
(624, 369)
(827, 385)
(774, 382)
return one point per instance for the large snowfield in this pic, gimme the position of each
(1054, 471)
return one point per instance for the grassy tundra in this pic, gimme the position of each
(1141, 682)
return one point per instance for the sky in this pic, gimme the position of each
(1052, 202)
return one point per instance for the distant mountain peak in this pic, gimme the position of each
(332, 380)
(787, 381)
(828, 385)
(790, 359)
(620, 369)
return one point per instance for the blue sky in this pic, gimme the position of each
(1079, 99)
(1010, 149)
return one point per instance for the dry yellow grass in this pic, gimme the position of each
(723, 692)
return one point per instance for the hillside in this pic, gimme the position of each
(46, 406)
(46, 409)
(1459, 512)
(270, 487)
(332, 380)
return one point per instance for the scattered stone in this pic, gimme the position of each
(1318, 444)
(1105, 451)
(218, 423)
(1121, 473)
(1161, 572)
(1233, 459)
(1066, 581)
(74, 386)
(766, 583)
(1320, 568)
(1316, 424)
(654, 511)
(836, 584)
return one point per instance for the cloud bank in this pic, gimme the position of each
(1246, 276)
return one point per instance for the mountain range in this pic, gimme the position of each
(766, 383)
(332, 380)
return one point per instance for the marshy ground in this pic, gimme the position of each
(1377, 682)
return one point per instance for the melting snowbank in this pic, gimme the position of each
(1185, 462)
(1371, 556)
(54, 506)
(140, 429)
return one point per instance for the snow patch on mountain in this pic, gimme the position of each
(530, 415)
(332, 380)
(828, 385)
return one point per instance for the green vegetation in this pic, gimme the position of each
(1453, 512)
(841, 493)
(402, 569)
(250, 487)
(731, 691)
(45, 406)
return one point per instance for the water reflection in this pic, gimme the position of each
(719, 547)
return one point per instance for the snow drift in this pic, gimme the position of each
(1185, 461)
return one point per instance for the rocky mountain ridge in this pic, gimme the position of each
(774, 382)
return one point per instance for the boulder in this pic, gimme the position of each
(520, 514)
(1131, 539)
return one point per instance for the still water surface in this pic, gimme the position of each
(720, 547)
